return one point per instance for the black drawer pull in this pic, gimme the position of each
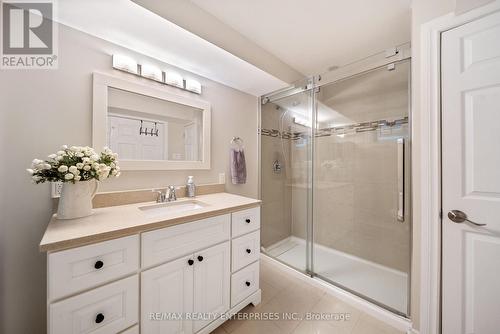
(248, 220)
(99, 318)
(249, 250)
(200, 258)
(99, 264)
(247, 283)
(190, 262)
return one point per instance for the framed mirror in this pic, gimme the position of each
(150, 128)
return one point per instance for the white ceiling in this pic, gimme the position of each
(127, 24)
(312, 35)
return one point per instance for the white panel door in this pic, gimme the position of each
(471, 177)
(167, 291)
(211, 283)
(191, 142)
(153, 147)
(125, 139)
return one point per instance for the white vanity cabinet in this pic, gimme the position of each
(166, 290)
(184, 279)
(197, 284)
(212, 283)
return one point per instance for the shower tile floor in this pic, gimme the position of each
(284, 293)
(385, 285)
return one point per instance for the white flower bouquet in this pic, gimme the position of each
(74, 164)
(80, 168)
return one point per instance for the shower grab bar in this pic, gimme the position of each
(401, 179)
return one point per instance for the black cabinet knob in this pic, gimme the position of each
(200, 258)
(190, 262)
(99, 318)
(99, 264)
(249, 250)
(247, 283)
(248, 220)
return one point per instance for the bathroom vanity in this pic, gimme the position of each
(178, 267)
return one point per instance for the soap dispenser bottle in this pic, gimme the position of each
(190, 187)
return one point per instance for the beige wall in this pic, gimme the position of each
(43, 109)
(463, 6)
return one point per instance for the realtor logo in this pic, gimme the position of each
(28, 35)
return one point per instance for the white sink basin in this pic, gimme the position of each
(164, 209)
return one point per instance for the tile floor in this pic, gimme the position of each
(282, 293)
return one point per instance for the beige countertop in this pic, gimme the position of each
(119, 221)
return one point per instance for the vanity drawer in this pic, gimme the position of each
(245, 221)
(244, 283)
(245, 250)
(169, 243)
(108, 309)
(84, 267)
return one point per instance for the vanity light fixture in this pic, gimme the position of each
(151, 72)
(193, 86)
(174, 79)
(127, 64)
(124, 63)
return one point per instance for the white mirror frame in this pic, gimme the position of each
(101, 84)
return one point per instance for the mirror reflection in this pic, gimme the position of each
(146, 128)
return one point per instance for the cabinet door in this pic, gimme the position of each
(211, 283)
(167, 297)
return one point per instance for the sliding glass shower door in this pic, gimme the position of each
(335, 183)
(361, 186)
(286, 178)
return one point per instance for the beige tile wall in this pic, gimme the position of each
(276, 210)
(356, 207)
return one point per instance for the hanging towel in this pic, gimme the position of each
(238, 166)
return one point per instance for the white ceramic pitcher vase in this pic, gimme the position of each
(76, 199)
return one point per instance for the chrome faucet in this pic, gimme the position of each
(168, 195)
(171, 196)
(161, 196)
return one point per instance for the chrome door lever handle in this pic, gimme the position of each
(458, 216)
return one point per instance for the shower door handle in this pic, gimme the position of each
(401, 179)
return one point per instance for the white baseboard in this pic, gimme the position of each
(394, 320)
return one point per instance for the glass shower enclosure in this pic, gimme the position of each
(335, 182)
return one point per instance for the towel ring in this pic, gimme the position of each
(237, 143)
(236, 140)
